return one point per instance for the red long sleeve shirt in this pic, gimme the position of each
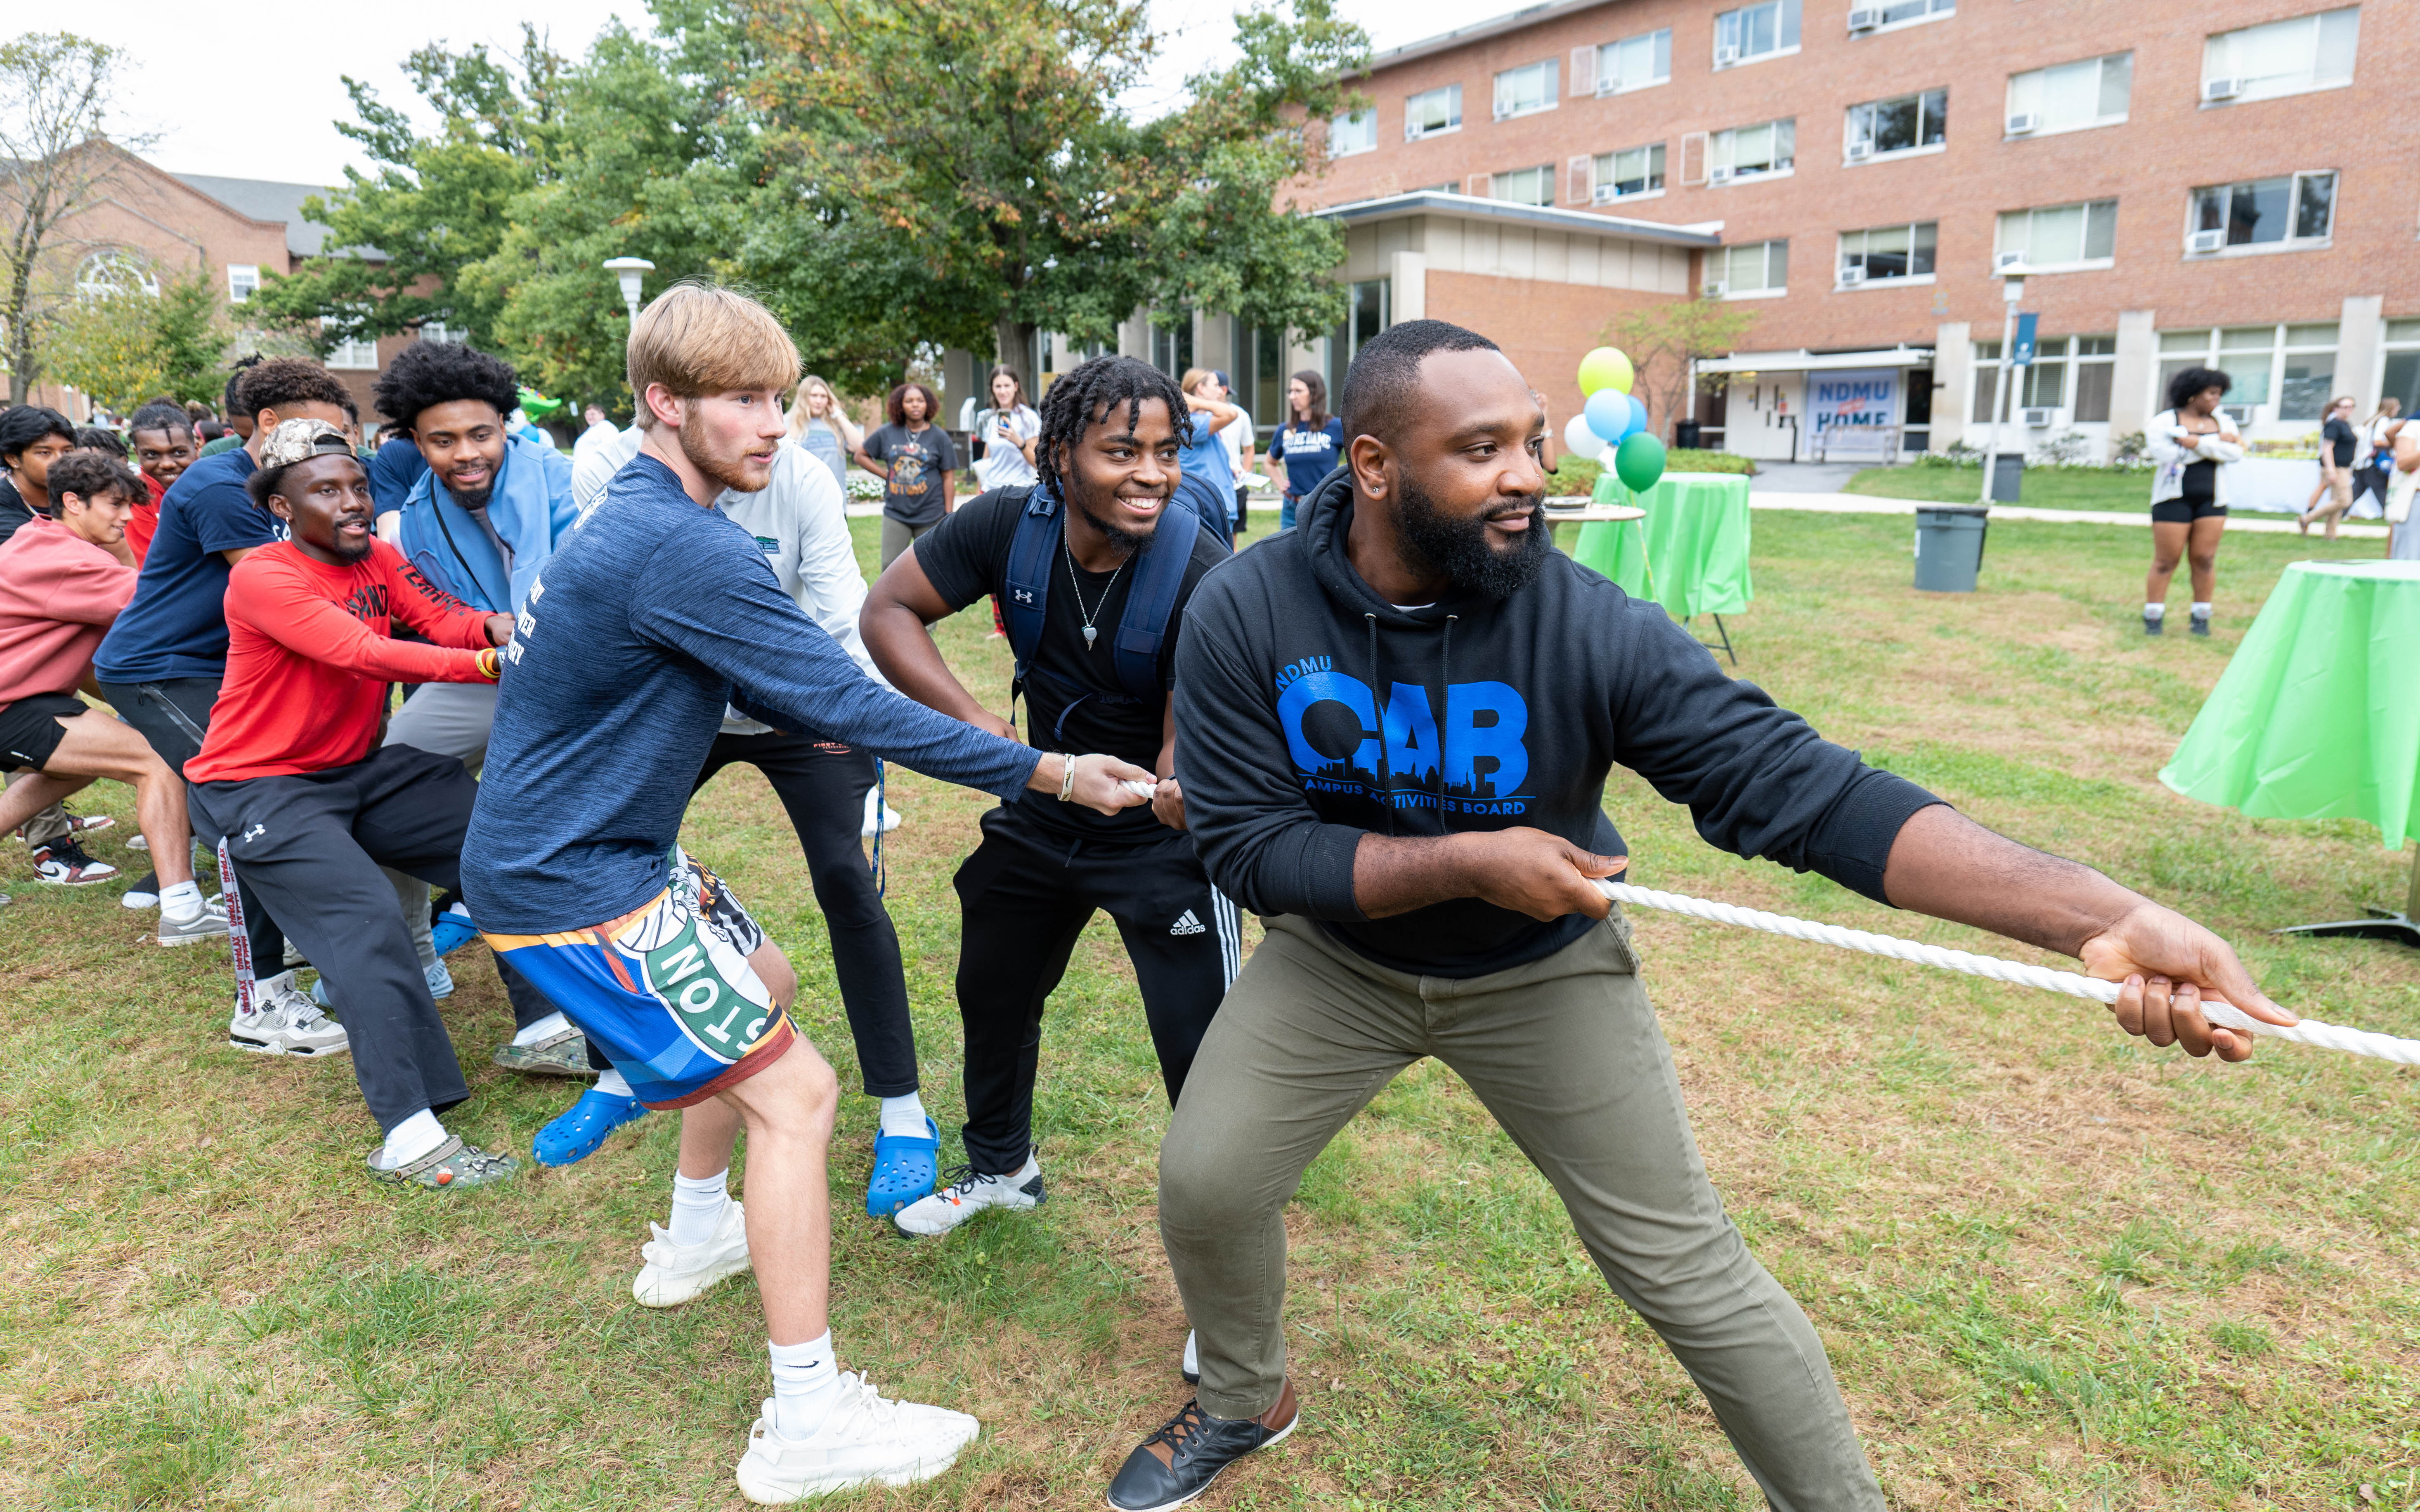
(309, 658)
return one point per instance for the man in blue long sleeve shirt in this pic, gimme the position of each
(653, 616)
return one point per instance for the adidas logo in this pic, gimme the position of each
(1188, 925)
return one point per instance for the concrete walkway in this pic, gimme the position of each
(1850, 503)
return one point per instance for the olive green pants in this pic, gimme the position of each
(1566, 1054)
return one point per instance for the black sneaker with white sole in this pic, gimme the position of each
(64, 864)
(1178, 1463)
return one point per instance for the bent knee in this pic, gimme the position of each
(1205, 1189)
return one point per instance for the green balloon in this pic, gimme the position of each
(1605, 368)
(1638, 462)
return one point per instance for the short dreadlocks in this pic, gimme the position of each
(1090, 393)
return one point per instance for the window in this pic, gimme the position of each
(1898, 12)
(438, 330)
(242, 279)
(1525, 91)
(1758, 268)
(2072, 96)
(1365, 315)
(116, 271)
(1751, 151)
(1172, 347)
(2060, 237)
(1525, 186)
(2291, 368)
(2066, 370)
(1630, 173)
(1431, 111)
(2095, 365)
(1910, 123)
(2285, 58)
(2298, 207)
(1886, 254)
(1635, 62)
(1357, 133)
(354, 354)
(1753, 32)
(2403, 364)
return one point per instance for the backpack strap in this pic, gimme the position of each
(1151, 602)
(1032, 553)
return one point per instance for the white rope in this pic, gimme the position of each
(2309, 1032)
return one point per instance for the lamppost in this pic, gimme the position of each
(628, 269)
(2012, 288)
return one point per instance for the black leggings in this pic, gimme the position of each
(823, 783)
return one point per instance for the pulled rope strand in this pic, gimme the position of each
(2309, 1032)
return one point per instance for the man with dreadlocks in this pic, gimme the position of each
(1091, 568)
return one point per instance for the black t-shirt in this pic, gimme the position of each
(917, 459)
(2342, 435)
(1072, 699)
(14, 511)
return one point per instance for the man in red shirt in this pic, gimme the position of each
(61, 585)
(305, 805)
(164, 444)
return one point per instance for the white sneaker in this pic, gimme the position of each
(867, 1439)
(954, 1205)
(283, 1022)
(210, 923)
(676, 1273)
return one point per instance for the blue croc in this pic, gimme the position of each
(452, 931)
(904, 1170)
(581, 1129)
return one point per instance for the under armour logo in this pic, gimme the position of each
(1023, 595)
(1188, 925)
(259, 830)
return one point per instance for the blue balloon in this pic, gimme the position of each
(1608, 411)
(1638, 419)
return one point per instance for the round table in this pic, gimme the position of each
(2317, 715)
(1577, 509)
(1689, 554)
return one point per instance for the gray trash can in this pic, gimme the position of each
(2007, 477)
(1949, 547)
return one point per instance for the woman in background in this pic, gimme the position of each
(1311, 443)
(818, 424)
(2338, 442)
(2192, 443)
(2369, 475)
(1008, 431)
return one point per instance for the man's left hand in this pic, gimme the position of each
(2168, 966)
(500, 629)
(1168, 803)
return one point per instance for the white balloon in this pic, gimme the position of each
(1581, 442)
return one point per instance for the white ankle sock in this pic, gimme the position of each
(410, 1139)
(903, 1116)
(551, 1025)
(180, 901)
(612, 1084)
(698, 1202)
(1026, 1172)
(806, 1386)
(2201, 611)
(2155, 611)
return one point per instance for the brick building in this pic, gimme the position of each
(2218, 183)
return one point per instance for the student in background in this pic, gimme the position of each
(31, 438)
(2338, 442)
(600, 430)
(2193, 444)
(1008, 431)
(238, 423)
(1206, 455)
(2369, 474)
(1242, 439)
(1309, 444)
(164, 447)
(914, 457)
(823, 429)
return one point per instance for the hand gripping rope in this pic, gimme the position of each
(2309, 1032)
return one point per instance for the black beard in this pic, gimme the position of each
(473, 501)
(1124, 542)
(349, 557)
(1435, 542)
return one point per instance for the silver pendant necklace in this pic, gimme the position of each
(1089, 634)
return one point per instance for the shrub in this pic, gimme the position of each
(2065, 450)
(2131, 450)
(1573, 475)
(1690, 459)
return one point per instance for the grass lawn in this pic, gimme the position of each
(2055, 1268)
(2044, 489)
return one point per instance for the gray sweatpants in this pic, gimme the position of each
(1566, 1054)
(445, 720)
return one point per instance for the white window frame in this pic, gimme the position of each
(2079, 265)
(353, 357)
(1841, 258)
(1765, 247)
(2218, 45)
(1939, 10)
(1549, 69)
(2010, 109)
(1659, 170)
(2293, 213)
(2282, 346)
(1659, 46)
(1415, 132)
(1724, 144)
(1363, 124)
(1848, 135)
(1546, 175)
(1787, 18)
(244, 282)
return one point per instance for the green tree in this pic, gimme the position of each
(190, 330)
(1662, 340)
(106, 345)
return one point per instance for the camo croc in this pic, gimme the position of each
(563, 1053)
(449, 1168)
(904, 1170)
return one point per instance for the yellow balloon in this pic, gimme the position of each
(1605, 368)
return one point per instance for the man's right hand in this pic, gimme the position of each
(1532, 872)
(990, 723)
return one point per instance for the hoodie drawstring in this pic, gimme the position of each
(1378, 702)
(1446, 674)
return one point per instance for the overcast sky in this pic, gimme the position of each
(254, 91)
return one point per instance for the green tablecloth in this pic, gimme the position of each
(2318, 715)
(1697, 535)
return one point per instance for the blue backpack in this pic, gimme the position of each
(1142, 626)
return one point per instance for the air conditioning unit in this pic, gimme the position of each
(2007, 260)
(2205, 242)
(1715, 288)
(1502, 111)
(2220, 89)
(2025, 124)
(2039, 417)
(1718, 176)
(1865, 19)
(1604, 195)
(1852, 277)
(1726, 56)
(1860, 151)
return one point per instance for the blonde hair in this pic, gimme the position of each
(700, 338)
(799, 414)
(1194, 378)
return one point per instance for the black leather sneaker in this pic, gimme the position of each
(2151, 623)
(1178, 1463)
(2201, 625)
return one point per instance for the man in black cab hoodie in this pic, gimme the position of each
(1393, 727)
